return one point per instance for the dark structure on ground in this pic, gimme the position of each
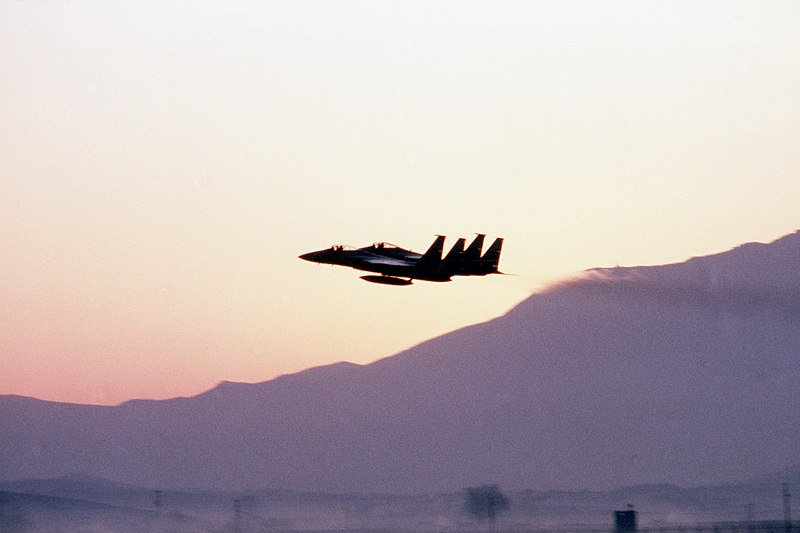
(625, 521)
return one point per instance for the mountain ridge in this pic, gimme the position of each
(662, 374)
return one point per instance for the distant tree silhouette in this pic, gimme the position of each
(486, 502)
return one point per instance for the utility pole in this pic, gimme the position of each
(787, 508)
(237, 515)
(748, 512)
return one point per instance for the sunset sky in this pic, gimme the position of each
(163, 164)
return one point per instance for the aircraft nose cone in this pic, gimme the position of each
(314, 257)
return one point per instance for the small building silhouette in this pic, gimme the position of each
(625, 521)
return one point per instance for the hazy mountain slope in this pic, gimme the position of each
(683, 373)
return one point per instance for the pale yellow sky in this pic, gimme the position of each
(164, 163)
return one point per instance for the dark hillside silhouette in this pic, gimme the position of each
(684, 373)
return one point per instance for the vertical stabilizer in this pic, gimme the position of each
(473, 252)
(434, 253)
(491, 259)
(456, 251)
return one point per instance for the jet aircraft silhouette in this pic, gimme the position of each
(398, 266)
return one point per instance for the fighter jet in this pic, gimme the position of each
(398, 266)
